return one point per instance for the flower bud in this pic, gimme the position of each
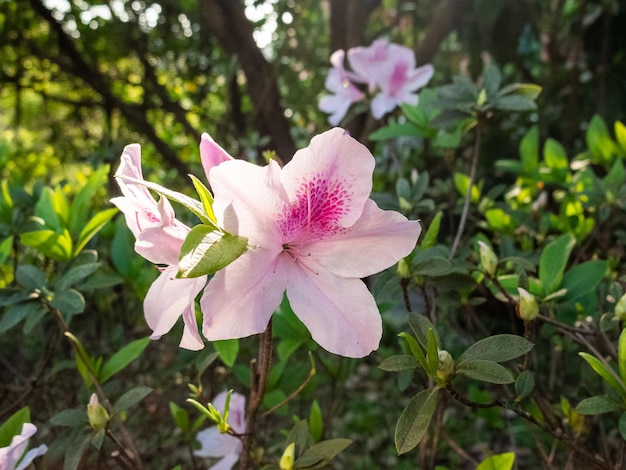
(403, 269)
(488, 259)
(620, 309)
(445, 368)
(528, 309)
(97, 414)
(288, 458)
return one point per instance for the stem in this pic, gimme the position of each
(468, 194)
(292, 395)
(405, 294)
(259, 372)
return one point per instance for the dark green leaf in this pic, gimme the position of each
(497, 348)
(97, 439)
(75, 451)
(30, 277)
(432, 353)
(553, 261)
(416, 350)
(420, 325)
(622, 425)
(75, 275)
(583, 278)
(181, 417)
(71, 418)
(122, 358)
(515, 103)
(435, 266)
(68, 302)
(316, 425)
(598, 405)
(414, 420)
(398, 363)
(395, 130)
(605, 372)
(322, 453)
(130, 398)
(491, 81)
(206, 251)
(299, 435)
(16, 313)
(525, 384)
(485, 371)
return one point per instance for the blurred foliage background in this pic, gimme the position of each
(80, 79)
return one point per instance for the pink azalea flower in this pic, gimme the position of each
(224, 446)
(11, 456)
(370, 63)
(344, 92)
(211, 154)
(314, 233)
(159, 237)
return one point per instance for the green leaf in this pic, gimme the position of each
(395, 130)
(316, 424)
(553, 261)
(75, 451)
(485, 371)
(18, 312)
(498, 220)
(432, 353)
(435, 266)
(181, 417)
(75, 275)
(322, 453)
(122, 358)
(497, 348)
(299, 435)
(621, 355)
(498, 462)
(30, 277)
(93, 227)
(228, 350)
(130, 398)
(604, 371)
(205, 197)
(525, 384)
(529, 151)
(620, 135)
(554, 155)
(57, 246)
(193, 205)
(13, 426)
(599, 140)
(52, 208)
(398, 363)
(83, 200)
(206, 251)
(414, 420)
(6, 246)
(515, 103)
(420, 325)
(598, 405)
(71, 418)
(491, 81)
(430, 238)
(97, 438)
(416, 350)
(583, 278)
(527, 90)
(68, 302)
(462, 184)
(622, 425)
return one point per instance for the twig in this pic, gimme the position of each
(292, 395)
(468, 194)
(259, 372)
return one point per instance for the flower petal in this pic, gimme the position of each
(31, 455)
(246, 197)
(211, 154)
(167, 299)
(376, 241)
(333, 167)
(241, 298)
(216, 444)
(191, 337)
(340, 313)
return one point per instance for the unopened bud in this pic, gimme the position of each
(488, 259)
(97, 414)
(288, 458)
(620, 309)
(528, 309)
(403, 269)
(445, 368)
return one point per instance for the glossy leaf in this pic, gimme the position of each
(604, 371)
(122, 358)
(93, 226)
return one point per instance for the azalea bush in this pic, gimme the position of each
(412, 298)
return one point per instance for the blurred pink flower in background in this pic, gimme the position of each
(216, 444)
(344, 92)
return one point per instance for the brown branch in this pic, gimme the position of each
(227, 21)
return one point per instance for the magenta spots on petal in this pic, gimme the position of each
(316, 211)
